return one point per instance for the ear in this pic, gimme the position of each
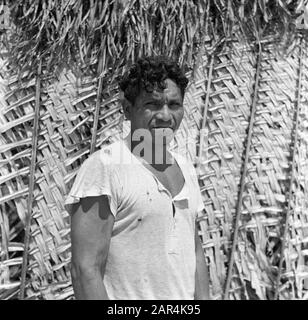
(126, 106)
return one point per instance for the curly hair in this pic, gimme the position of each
(149, 72)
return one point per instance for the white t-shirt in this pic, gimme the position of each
(152, 249)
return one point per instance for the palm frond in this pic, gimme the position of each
(122, 30)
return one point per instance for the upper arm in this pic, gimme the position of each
(91, 228)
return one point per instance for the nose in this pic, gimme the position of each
(164, 114)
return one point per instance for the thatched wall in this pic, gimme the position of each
(245, 123)
(267, 174)
(226, 92)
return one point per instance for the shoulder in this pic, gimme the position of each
(97, 176)
(99, 165)
(107, 155)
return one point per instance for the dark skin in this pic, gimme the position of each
(160, 108)
(91, 227)
(92, 222)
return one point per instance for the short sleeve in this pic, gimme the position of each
(95, 177)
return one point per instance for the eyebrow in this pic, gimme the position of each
(152, 100)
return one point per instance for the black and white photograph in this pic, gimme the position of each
(154, 151)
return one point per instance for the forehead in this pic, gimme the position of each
(172, 91)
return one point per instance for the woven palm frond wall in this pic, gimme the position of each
(278, 95)
(230, 94)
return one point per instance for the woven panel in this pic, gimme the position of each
(264, 200)
(294, 282)
(226, 124)
(13, 167)
(268, 182)
(66, 120)
(268, 173)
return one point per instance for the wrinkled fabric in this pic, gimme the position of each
(152, 247)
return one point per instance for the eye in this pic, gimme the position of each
(152, 105)
(175, 105)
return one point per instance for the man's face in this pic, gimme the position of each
(159, 108)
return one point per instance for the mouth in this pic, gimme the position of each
(160, 127)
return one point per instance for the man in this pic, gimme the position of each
(133, 210)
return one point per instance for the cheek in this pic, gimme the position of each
(147, 113)
(143, 117)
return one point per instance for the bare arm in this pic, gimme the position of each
(91, 228)
(201, 277)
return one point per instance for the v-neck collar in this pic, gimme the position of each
(182, 195)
